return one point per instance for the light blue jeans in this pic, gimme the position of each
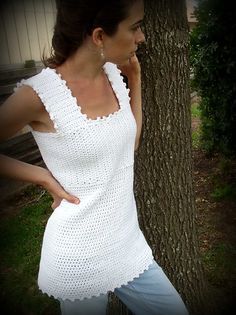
(150, 294)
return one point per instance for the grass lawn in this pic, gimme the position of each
(21, 238)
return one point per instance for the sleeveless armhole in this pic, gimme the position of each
(39, 84)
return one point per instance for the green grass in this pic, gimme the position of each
(195, 110)
(196, 139)
(224, 180)
(20, 245)
(196, 134)
(225, 192)
(220, 262)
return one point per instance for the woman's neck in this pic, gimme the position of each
(86, 63)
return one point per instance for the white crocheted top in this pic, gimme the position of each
(96, 246)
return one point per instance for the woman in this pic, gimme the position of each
(87, 126)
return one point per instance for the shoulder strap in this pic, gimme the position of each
(55, 97)
(118, 83)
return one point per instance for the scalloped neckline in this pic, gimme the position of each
(76, 103)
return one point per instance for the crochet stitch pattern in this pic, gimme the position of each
(96, 246)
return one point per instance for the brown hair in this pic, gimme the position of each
(76, 19)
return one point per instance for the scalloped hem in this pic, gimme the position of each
(100, 294)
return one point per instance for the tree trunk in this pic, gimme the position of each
(163, 169)
(164, 187)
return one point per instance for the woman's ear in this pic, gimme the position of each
(98, 36)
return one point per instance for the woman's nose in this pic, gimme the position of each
(140, 37)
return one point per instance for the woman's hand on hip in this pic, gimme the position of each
(57, 191)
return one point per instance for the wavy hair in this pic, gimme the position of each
(76, 19)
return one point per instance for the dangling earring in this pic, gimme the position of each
(102, 53)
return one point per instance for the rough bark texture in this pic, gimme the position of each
(163, 182)
(163, 168)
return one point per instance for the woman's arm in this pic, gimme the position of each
(132, 71)
(19, 110)
(134, 84)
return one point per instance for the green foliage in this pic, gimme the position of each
(213, 51)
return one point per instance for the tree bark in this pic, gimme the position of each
(164, 182)
(163, 168)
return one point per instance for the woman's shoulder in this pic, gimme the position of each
(34, 88)
(27, 91)
(27, 97)
(42, 77)
(18, 110)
